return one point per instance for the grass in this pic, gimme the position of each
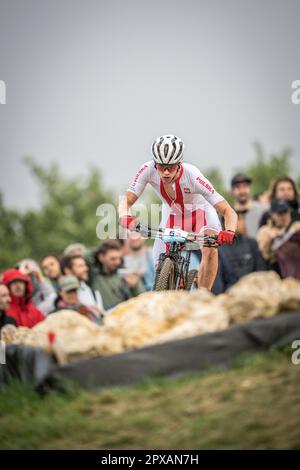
(253, 405)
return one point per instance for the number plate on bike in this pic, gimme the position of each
(174, 235)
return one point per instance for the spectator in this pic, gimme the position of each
(68, 299)
(262, 197)
(4, 306)
(42, 289)
(225, 277)
(244, 255)
(51, 268)
(278, 229)
(21, 307)
(242, 258)
(138, 259)
(243, 203)
(288, 255)
(284, 188)
(113, 287)
(76, 266)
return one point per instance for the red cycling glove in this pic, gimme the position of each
(225, 237)
(127, 221)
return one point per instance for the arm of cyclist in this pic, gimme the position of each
(204, 187)
(125, 218)
(131, 196)
(230, 221)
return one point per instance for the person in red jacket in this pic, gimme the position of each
(21, 307)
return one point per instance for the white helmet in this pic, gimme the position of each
(168, 150)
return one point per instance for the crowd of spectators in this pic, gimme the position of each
(90, 282)
(93, 281)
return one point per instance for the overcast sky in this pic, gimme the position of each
(96, 81)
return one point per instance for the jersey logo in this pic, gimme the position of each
(206, 185)
(138, 175)
(187, 190)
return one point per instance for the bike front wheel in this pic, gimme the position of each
(166, 276)
(191, 279)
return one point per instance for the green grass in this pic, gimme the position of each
(254, 405)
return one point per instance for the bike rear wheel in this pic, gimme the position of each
(166, 276)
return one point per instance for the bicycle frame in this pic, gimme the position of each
(181, 262)
(176, 241)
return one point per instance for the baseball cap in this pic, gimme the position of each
(240, 178)
(68, 282)
(279, 206)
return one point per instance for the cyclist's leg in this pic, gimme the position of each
(208, 267)
(209, 263)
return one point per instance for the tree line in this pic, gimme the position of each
(67, 211)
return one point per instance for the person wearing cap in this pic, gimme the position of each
(284, 187)
(278, 228)
(77, 266)
(68, 298)
(245, 204)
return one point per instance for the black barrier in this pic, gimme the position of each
(31, 365)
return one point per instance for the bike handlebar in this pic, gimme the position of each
(206, 239)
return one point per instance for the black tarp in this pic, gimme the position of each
(26, 364)
(165, 360)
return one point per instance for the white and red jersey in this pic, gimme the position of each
(192, 207)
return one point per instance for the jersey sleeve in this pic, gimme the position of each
(140, 180)
(204, 187)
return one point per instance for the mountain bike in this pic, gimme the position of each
(173, 266)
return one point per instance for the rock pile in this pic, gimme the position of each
(157, 317)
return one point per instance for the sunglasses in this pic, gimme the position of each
(166, 167)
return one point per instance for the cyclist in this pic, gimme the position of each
(189, 202)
